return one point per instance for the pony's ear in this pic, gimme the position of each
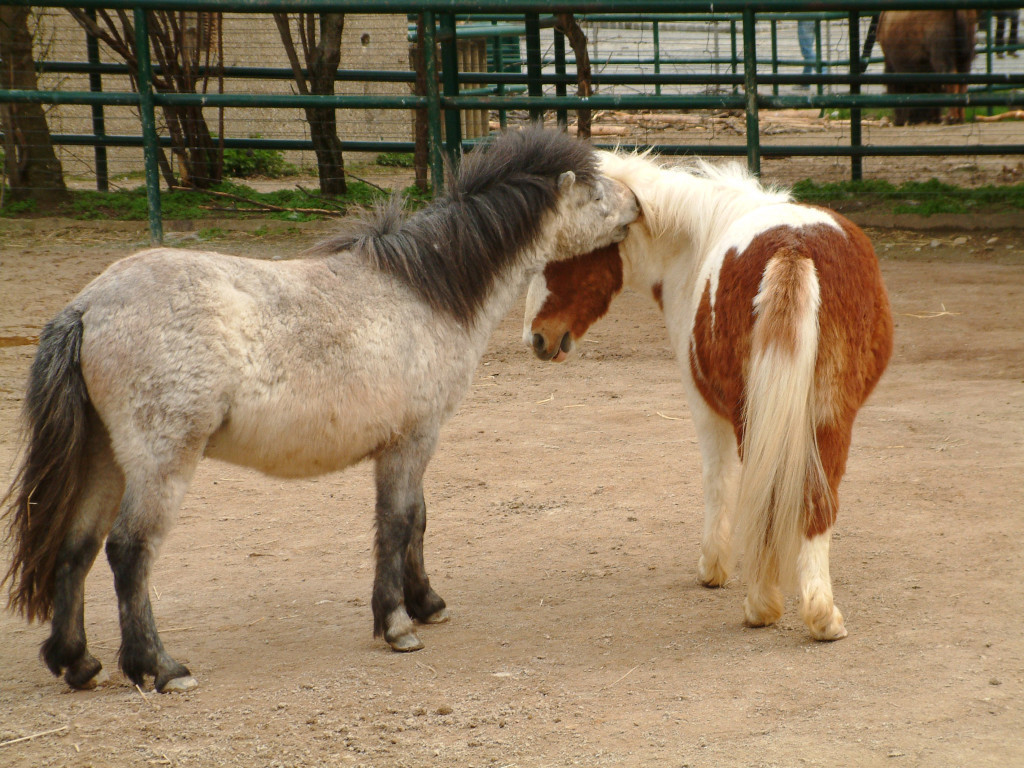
(565, 181)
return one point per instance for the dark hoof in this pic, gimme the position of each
(439, 617)
(426, 607)
(406, 643)
(175, 677)
(83, 674)
(178, 685)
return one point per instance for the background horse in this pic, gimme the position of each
(782, 327)
(295, 368)
(927, 41)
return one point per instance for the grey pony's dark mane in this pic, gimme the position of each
(450, 252)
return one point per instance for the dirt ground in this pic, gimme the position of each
(565, 516)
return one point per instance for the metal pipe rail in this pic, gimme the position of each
(443, 101)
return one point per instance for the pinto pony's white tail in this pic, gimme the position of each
(781, 476)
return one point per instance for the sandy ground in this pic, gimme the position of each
(565, 515)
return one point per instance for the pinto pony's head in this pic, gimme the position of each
(567, 298)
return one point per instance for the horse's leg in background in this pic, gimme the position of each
(817, 607)
(66, 648)
(720, 468)
(400, 509)
(153, 493)
(421, 601)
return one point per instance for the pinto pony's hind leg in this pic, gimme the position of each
(421, 601)
(66, 649)
(765, 601)
(817, 607)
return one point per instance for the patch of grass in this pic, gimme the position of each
(923, 198)
(246, 163)
(395, 159)
(878, 114)
(14, 208)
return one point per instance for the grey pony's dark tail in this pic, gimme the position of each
(42, 501)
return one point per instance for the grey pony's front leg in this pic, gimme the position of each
(421, 601)
(401, 519)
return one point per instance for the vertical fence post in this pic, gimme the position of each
(733, 55)
(99, 129)
(775, 54)
(561, 115)
(499, 67)
(817, 55)
(856, 161)
(147, 115)
(534, 67)
(434, 153)
(750, 88)
(657, 56)
(450, 81)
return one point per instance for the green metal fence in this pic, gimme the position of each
(750, 85)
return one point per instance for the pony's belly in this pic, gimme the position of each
(297, 450)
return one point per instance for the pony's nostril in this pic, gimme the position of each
(566, 343)
(539, 343)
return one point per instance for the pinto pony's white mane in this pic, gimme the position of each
(706, 198)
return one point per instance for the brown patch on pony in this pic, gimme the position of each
(656, 292)
(580, 290)
(854, 337)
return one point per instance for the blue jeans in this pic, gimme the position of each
(805, 34)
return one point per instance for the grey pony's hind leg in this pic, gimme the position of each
(146, 512)
(66, 649)
(421, 601)
(400, 512)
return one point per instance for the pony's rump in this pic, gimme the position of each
(41, 501)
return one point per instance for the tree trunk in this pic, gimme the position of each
(322, 59)
(178, 42)
(31, 165)
(566, 24)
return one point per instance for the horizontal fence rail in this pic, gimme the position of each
(741, 79)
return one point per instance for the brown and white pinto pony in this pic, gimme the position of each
(781, 324)
(922, 42)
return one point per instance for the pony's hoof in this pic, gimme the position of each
(762, 612)
(179, 684)
(405, 643)
(400, 635)
(85, 674)
(438, 617)
(827, 630)
(713, 575)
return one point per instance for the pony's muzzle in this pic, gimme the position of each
(558, 353)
